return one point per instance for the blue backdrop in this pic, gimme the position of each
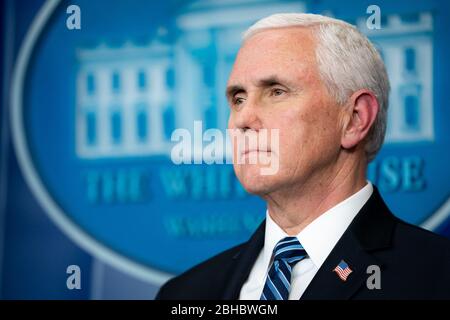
(87, 115)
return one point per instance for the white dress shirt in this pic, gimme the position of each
(318, 239)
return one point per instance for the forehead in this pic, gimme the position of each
(284, 51)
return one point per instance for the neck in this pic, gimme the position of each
(297, 207)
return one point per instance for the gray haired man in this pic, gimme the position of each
(322, 84)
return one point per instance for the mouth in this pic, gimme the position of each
(247, 152)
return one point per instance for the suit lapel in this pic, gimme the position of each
(371, 230)
(244, 261)
(328, 285)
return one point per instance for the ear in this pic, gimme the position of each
(361, 114)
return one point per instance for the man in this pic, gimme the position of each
(327, 233)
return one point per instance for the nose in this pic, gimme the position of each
(248, 117)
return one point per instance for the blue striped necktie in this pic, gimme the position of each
(286, 254)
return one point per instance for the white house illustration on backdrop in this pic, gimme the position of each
(131, 98)
(124, 97)
(406, 45)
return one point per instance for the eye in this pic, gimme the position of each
(238, 101)
(277, 92)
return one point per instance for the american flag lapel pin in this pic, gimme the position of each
(343, 270)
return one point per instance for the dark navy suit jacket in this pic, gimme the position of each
(414, 263)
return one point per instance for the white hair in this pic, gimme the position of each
(347, 62)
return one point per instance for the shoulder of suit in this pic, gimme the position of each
(424, 240)
(213, 264)
(217, 260)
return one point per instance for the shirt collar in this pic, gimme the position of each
(321, 235)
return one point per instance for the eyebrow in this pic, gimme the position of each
(263, 83)
(272, 81)
(233, 90)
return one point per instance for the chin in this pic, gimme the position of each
(254, 182)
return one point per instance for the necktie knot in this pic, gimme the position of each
(286, 254)
(290, 250)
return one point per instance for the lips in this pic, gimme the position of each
(255, 150)
(254, 153)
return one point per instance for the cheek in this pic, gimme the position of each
(324, 137)
(306, 136)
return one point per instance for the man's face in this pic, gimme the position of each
(275, 84)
